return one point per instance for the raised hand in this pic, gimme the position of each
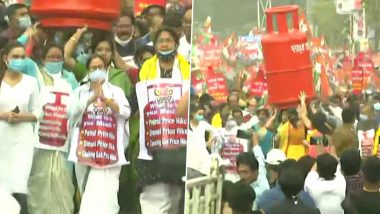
(302, 96)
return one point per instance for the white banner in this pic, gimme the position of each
(160, 126)
(345, 6)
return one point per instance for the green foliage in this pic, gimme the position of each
(332, 25)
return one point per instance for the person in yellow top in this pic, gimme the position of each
(376, 146)
(161, 176)
(292, 134)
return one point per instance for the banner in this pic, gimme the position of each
(53, 129)
(141, 4)
(163, 128)
(217, 86)
(362, 71)
(97, 140)
(344, 7)
(209, 55)
(230, 151)
(366, 142)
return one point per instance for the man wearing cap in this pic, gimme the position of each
(274, 158)
(277, 163)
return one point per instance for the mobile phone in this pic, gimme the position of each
(317, 140)
(244, 134)
(16, 110)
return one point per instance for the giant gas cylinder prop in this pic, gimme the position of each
(287, 59)
(96, 14)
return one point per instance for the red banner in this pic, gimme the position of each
(258, 84)
(209, 55)
(97, 145)
(217, 86)
(363, 69)
(53, 127)
(141, 4)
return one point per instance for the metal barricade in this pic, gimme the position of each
(204, 194)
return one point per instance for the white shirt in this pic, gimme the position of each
(184, 48)
(78, 105)
(18, 139)
(8, 204)
(327, 195)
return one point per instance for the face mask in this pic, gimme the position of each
(231, 124)
(199, 117)
(54, 67)
(98, 76)
(25, 22)
(167, 55)
(122, 42)
(363, 117)
(376, 106)
(17, 65)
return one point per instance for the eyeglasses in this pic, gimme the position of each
(168, 40)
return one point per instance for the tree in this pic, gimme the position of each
(332, 25)
(372, 8)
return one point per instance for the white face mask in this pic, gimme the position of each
(122, 42)
(230, 124)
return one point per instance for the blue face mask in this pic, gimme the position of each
(167, 55)
(376, 106)
(25, 22)
(199, 117)
(17, 65)
(54, 67)
(98, 75)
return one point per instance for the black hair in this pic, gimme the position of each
(172, 20)
(371, 170)
(92, 57)
(206, 99)
(288, 163)
(143, 28)
(266, 112)
(195, 108)
(98, 40)
(152, 6)
(5, 51)
(319, 122)
(305, 164)
(279, 117)
(292, 112)
(12, 9)
(291, 181)
(141, 50)
(350, 162)
(326, 166)
(172, 33)
(231, 95)
(226, 190)
(242, 197)
(248, 159)
(130, 16)
(348, 115)
(237, 110)
(46, 49)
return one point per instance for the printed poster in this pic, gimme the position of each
(163, 129)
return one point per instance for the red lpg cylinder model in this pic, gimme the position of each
(97, 14)
(287, 59)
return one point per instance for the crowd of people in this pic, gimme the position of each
(321, 156)
(70, 114)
